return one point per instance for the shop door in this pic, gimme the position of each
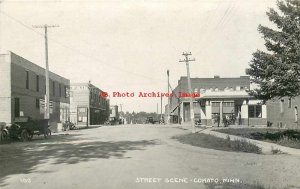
(82, 116)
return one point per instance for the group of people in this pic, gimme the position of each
(227, 120)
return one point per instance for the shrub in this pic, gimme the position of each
(290, 142)
(244, 146)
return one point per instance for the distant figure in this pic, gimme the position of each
(218, 120)
(226, 120)
(240, 117)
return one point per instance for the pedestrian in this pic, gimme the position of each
(218, 120)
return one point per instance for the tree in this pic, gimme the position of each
(277, 71)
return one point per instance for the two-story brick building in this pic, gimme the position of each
(87, 107)
(284, 112)
(23, 88)
(219, 98)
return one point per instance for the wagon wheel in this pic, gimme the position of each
(47, 133)
(4, 135)
(24, 135)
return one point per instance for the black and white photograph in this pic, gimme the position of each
(144, 94)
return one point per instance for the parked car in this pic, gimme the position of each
(3, 131)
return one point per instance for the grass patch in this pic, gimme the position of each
(289, 137)
(210, 141)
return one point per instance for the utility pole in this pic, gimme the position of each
(1, 27)
(169, 104)
(47, 96)
(121, 107)
(187, 60)
(161, 109)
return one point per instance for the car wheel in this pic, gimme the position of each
(24, 135)
(4, 135)
(47, 133)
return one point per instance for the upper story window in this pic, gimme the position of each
(59, 89)
(66, 92)
(216, 89)
(27, 79)
(281, 105)
(53, 88)
(290, 103)
(37, 83)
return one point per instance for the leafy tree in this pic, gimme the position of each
(277, 71)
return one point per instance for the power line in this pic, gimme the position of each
(79, 52)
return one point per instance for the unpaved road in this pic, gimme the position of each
(124, 156)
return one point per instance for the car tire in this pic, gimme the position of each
(24, 135)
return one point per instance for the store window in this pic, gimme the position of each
(254, 111)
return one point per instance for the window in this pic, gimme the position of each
(215, 104)
(59, 88)
(17, 107)
(53, 88)
(281, 105)
(37, 83)
(27, 80)
(290, 103)
(254, 111)
(37, 103)
(65, 90)
(296, 114)
(228, 104)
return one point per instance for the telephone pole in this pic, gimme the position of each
(161, 119)
(187, 60)
(121, 107)
(47, 96)
(169, 104)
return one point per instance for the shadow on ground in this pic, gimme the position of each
(22, 158)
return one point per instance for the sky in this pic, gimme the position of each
(128, 46)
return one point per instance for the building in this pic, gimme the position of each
(219, 98)
(283, 112)
(114, 114)
(87, 106)
(23, 88)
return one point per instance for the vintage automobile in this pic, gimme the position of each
(24, 128)
(3, 131)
